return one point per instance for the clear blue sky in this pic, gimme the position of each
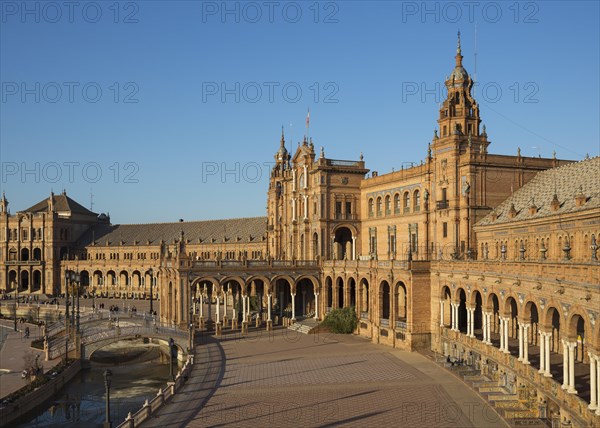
(374, 58)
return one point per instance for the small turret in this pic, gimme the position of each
(3, 204)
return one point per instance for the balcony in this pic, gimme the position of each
(442, 205)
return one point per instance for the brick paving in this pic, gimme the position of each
(290, 380)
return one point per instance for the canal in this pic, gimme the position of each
(139, 370)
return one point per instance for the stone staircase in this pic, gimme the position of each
(517, 411)
(304, 326)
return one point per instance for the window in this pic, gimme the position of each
(397, 203)
(445, 229)
(371, 207)
(378, 206)
(406, 202)
(388, 205)
(24, 234)
(348, 209)
(416, 201)
(338, 210)
(445, 131)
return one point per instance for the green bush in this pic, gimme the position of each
(341, 321)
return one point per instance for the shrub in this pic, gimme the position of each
(341, 321)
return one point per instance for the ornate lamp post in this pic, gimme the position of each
(171, 352)
(16, 291)
(150, 272)
(72, 274)
(191, 325)
(77, 282)
(107, 381)
(67, 278)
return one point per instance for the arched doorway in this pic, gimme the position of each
(340, 292)
(401, 311)
(462, 311)
(385, 301)
(364, 298)
(24, 280)
(352, 291)
(329, 293)
(342, 244)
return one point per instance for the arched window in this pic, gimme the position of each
(406, 202)
(417, 201)
(379, 207)
(371, 207)
(388, 205)
(397, 203)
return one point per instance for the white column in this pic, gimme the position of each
(293, 180)
(468, 322)
(453, 316)
(547, 355)
(225, 304)
(354, 248)
(598, 385)
(489, 327)
(248, 308)
(593, 388)
(201, 306)
(244, 308)
(269, 297)
(218, 308)
(572, 389)
(441, 313)
(305, 206)
(565, 384)
(293, 306)
(233, 311)
(520, 358)
(472, 322)
(305, 176)
(542, 343)
(483, 326)
(316, 305)
(526, 343)
(506, 351)
(501, 333)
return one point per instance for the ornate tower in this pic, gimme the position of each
(458, 147)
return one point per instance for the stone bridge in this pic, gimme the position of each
(103, 329)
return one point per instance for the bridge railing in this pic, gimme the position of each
(95, 333)
(164, 394)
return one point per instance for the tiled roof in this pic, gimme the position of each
(240, 230)
(566, 182)
(61, 203)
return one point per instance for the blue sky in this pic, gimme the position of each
(169, 110)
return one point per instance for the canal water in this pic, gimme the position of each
(82, 402)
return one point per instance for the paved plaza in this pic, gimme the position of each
(290, 379)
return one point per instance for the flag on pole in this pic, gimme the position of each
(308, 118)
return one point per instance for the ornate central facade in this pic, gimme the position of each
(481, 257)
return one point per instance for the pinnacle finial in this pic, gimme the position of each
(459, 56)
(282, 136)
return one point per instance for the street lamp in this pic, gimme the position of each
(172, 349)
(78, 282)
(72, 273)
(150, 272)
(107, 379)
(14, 284)
(191, 344)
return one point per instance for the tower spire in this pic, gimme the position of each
(282, 137)
(459, 56)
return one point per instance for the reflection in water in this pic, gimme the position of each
(82, 402)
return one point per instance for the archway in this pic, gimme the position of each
(478, 314)
(37, 254)
(329, 293)
(401, 311)
(342, 244)
(364, 297)
(352, 291)
(36, 282)
(340, 292)
(305, 298)
(24, 254)
(462, 310)
(12, 280)
(385, 300)
(24, 280)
